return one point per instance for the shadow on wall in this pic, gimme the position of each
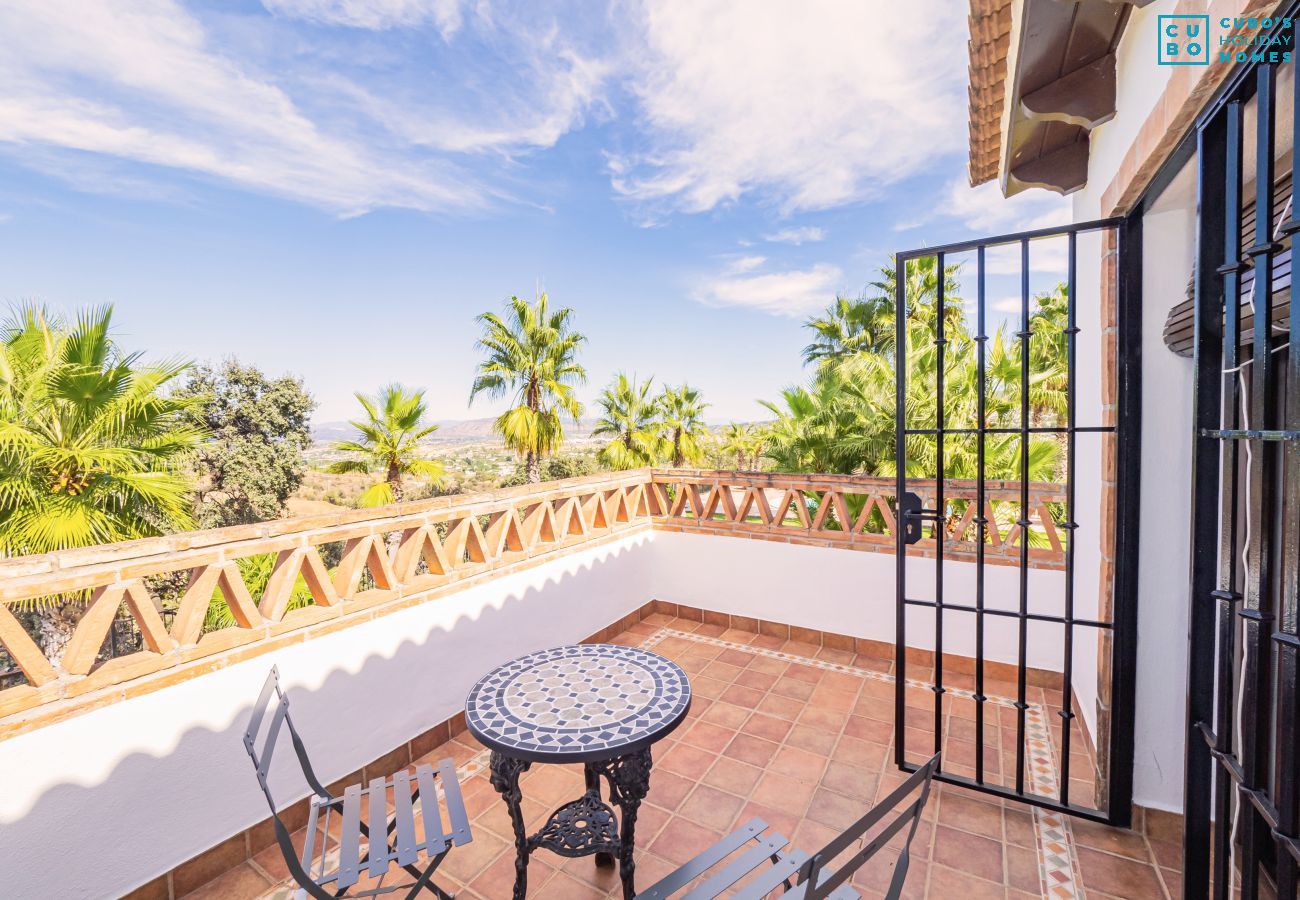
(355, 695)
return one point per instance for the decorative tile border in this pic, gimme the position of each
(1058, 868)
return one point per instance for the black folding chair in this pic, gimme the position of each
(758, 851)
(361, 807)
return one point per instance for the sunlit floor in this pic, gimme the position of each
(802, 737)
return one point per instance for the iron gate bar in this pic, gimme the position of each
(1022, 646)
(940, 510)
(1122, 626)
(1238, 434)
(1256, 611)
(1070, 526)
(900, 467)
(1287, 636)
(1037, 429)
(1013, 237)
(1218, 161)
(1011, 614)
(1227, 595)
(981, 521)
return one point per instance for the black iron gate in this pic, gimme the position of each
(1242, 794)
(971, 614)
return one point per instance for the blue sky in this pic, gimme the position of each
(334, 188)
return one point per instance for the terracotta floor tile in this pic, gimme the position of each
(565, 887)
(798, 763)
(782, 707)
(722, 671)
(733, 776)
(668, 790)
(759, 681)
(726, 715)
(1112, 840)
(767, 727)
(782, 820)
(835, 810)
(769, 666)
(975, 855)
(681, 840)
(851, 781)
(783, 792)
(749, 749)
(1117, 875)
(747, 698)
(801, 672)
(687, 761)
(738, 658)
(707, 736)
(975, 816)
(814, 740)
(498, 879)
(243, 881)
(946, 882)
(468, 862)
(711, 808)
(794, 688)
(1022, 870)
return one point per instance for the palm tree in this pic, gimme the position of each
(390, 438)
(744, 442)
(92, 446)
(532, 354)
(682, 413)
(851, 325)
(631, 418)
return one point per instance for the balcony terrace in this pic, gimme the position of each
(743, 579)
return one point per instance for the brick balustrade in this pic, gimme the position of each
(414, 552)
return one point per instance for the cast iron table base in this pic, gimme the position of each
(586, 826)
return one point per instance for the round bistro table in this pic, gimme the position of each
(602, 705)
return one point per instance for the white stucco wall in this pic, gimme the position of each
(103, 802)
(850, 592)
(1168, 244)
(1166, 471)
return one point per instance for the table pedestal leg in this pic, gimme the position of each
(629, 782)
(505, 778)
(592, 774)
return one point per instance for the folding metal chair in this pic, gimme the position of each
(322, 869)
(758, 852)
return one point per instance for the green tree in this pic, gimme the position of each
(851, 325)
(630, 418)
(742, 442)
(253, 462)
(389, 443)
(93, 449)
(532, 356)
(681, 412)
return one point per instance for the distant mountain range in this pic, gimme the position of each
(452, 430)
(455, 430)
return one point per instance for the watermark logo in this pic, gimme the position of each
(1183, 40)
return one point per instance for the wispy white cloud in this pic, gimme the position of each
(806, 235)
(445, 15)
(983, 209)
(786, 100)
(794, 292)
(152, 84)
(745, 264)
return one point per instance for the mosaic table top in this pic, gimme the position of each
(578, 703)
